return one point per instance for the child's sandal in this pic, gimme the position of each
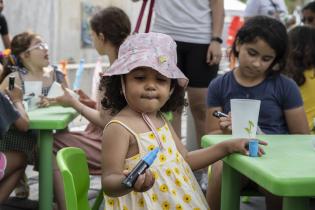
(3, 164)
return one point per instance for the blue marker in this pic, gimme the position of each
(140, 168)
(78, 75)
(253, 148)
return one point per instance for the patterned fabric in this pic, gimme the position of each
(175, 186)
(25, 142)
(146, 49)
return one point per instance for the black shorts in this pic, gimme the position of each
(192, 61)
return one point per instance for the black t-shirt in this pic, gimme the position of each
(3, 25)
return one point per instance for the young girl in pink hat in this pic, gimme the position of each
(141, 84)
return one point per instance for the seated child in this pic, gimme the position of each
(12, 163)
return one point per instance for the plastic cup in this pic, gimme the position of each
(253, 148)
(245, 114)
(33, 88)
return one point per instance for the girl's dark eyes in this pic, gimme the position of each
(161, 79)
(252, 53)
(139, 77)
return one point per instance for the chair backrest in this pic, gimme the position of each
(76, 181)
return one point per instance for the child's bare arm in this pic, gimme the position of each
(297, 121)
(204, 157)
(114, 151)
(115, 144)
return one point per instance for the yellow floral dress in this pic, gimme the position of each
(175, 186)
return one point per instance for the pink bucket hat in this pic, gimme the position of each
(154, 50)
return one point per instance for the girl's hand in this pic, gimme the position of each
(241, 146)
(44, 102)
(66, 99)
(144, 182)
(85, 99)
(225, 124)
(15, 95)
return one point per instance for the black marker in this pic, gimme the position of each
(11, 82)
(140, 168)
(219, 114)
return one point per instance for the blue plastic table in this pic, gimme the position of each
(287, 169)
(46, 120)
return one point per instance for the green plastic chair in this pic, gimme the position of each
(76, 181)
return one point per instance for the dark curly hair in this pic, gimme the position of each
(115, 101)
(301, 56)
(272, 31)
(19, 44)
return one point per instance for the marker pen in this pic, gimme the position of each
(11, 82)
(140, 168)
(219, 114)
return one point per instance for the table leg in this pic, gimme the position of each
(45, 170)
(230, 193)
(293, 203)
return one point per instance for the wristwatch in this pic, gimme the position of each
(216, 39)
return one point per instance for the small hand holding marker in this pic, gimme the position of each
(140, 168)
(225, 121)
(11, 82)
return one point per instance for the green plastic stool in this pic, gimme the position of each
(76, 181)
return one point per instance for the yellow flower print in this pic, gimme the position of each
(187, 198)
(174, 192)
(170, 151)
(178, 182)
(185, 178)
(196, 208)
(155, 175)
(151, 147)
(176, 170)
(177, 157)
(166, 128)
(125, 207)
(163, 137)
(187, 170)
(158, 129)
(151, 136)
(165, 205)
(141, 202)
(179, 207)
(164, 188)
(154, 197)
(162, 158)
(135, 157)
(168, 172)
(111, 202)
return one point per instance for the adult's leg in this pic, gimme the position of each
(58, 186)
(197, 103)
(177, 122)
(16, 164)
